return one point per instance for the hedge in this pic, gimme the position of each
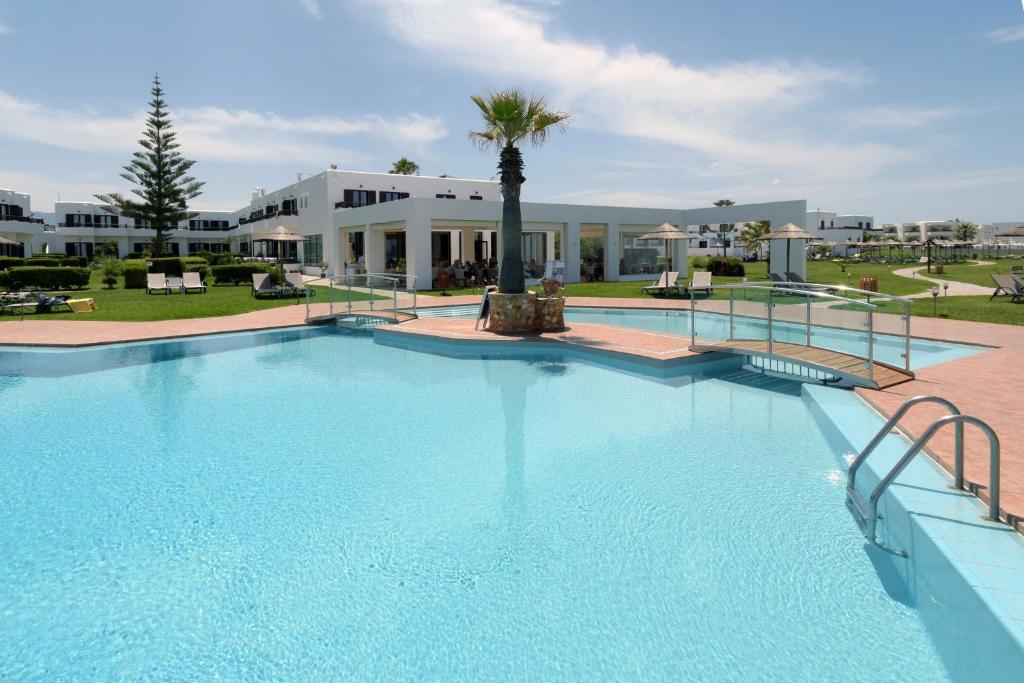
(74, 261)
(51, 261)
(174, 266)
(41, 277)
(237, 273)
(134, 274)
(10, 262)
(731, 267)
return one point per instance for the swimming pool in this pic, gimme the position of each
(888, 348)
(313, 505)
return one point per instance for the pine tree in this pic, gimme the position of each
(161, 175)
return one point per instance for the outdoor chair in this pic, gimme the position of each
(775, 277)
(297, 285)
(701, 281)
(263, 285)
(665, 284)
(81, 305)
(793, 277)
(1008, 285)
(191, 281)
(156, 282)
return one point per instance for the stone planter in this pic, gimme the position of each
(512, 312)
(551, 314)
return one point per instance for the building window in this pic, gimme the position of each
(476, 196)
(356, 198)
(822, 223)
(392, 196)
(860, 225)
(290, 207)
(445, 196)
(868, 225)
(831, 224)
(313, 251)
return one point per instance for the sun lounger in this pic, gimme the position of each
(192, 281)
(665, 284)
(297, 285)
(156, 282)
(1008, 285)
(793, 277)
(701, 281)
(775, 277)
(262, 285)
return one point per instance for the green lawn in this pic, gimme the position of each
(134, 305)
(975, 274)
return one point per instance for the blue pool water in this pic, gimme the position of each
(319, 506)
(888, 348)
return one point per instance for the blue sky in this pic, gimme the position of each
(907, 109)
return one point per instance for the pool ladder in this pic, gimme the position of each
(865, 512)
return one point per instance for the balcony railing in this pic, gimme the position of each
(22, 219)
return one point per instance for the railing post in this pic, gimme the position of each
(871, 344)
(958, 466)
(394, 296)
(330, 296)
(693, 321)
(993, 474)
(348, 281)
(369, 283)
(732, 318)
(770, 321)
(808, 321)
(906, 336)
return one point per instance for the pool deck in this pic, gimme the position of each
(988, 385)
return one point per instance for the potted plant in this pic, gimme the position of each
(550, 307)
(323, 269)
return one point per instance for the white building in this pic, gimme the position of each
(920, 231)
(379, 222)
(18, 224)
(82, 227)
(840, 228)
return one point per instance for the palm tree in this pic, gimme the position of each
(752, 234)
(405, 167)
(966, 230)
(724, 228)
(510, 117)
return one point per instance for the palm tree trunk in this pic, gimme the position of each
(511, 279)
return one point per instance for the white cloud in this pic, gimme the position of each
(1009, 34)
(213, 133)
(4, 28)
(743, 111)
(313, 7)
(910, 116)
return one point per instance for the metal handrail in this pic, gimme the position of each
(369, 281)
(809, 295)
(891, 424)
(870, 516)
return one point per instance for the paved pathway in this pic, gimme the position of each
(956, 288)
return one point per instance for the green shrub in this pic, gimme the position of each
(132, 255)
(41, 277)
(174, 266)
(10, 262)
(700, 262)
(46, 261)
(5, 281)
(727, 267)
(134, 271)
(239, 273)
(111, 269)
(74, 261)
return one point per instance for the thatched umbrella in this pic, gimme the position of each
(280, 235)
(788, 232)
(1012, 232)
(666, 231)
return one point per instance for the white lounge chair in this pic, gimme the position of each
(156, 282)
(701, 281)
(666, 283)
(296, 283)
(192, 281)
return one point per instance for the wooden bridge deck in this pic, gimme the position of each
(394, 316)
(848, 366)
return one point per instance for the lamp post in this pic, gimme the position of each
(935, 299)
(945, 289)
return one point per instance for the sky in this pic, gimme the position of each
(900, 109)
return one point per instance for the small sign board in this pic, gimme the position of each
(554, 270)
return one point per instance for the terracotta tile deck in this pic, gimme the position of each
(988, 385)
